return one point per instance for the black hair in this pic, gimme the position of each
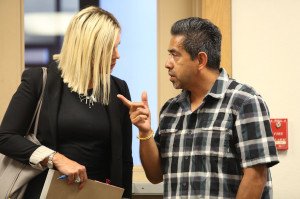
(201, 35)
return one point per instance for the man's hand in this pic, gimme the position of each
(139, 112)
(149, 153)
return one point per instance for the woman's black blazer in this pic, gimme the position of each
(20, 110)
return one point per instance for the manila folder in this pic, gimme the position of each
(59, 189)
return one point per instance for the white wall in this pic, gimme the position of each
(266, 52)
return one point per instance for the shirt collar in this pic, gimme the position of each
(220, 86)
(217, 91)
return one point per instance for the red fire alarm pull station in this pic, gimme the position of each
(280, 133)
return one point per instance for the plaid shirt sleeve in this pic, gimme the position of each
(255, 142)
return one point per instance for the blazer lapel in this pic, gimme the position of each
(50, 107)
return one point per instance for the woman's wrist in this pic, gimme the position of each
(44, 162)
(48, 161)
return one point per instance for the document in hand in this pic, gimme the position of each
(57, 189)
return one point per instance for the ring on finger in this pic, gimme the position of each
(77, 179)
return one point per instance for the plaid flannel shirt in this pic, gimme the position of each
(204, 152)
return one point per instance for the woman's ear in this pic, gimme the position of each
(202, 59)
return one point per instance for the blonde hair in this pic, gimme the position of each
(87, 52)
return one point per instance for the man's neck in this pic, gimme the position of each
(202, 87)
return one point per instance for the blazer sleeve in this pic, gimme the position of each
(18, 116)
(127, 148)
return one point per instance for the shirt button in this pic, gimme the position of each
(186, 158)
(189, 132)
(184, 184)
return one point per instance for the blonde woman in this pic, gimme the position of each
(85, 131)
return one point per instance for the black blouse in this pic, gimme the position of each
(84, 134)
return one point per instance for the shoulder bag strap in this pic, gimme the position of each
(37, 111)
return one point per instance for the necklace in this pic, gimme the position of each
(87, 99)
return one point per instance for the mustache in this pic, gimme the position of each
(171, 73)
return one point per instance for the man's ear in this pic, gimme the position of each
(202, 59)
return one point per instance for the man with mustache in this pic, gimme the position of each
(214, 139)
